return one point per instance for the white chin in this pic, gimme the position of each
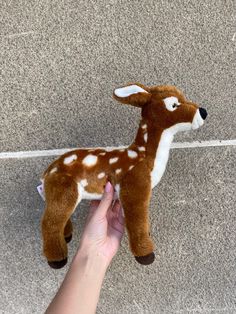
(197, 120)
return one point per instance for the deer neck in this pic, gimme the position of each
(157, 142)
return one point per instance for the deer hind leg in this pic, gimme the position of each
(135, 197)
(61, 199)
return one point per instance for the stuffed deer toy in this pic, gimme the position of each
(134, 170)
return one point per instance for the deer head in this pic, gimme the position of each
(163, 106)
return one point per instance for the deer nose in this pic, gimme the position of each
(203, 113)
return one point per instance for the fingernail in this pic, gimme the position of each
(108, 187)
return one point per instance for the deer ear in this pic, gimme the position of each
(134, 94)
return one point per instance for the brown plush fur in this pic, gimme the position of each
(131, 173)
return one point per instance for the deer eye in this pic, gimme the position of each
(171, 103)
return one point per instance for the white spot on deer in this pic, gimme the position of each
(53, 170)
(113, 160)
(141, 148)
(84, 182)
(131, 167)
(145, 137)
(122, 150)
(102, 154)
(68, 160)
(90, 160)
(144, 126)
(118, 171)
(101, 175)
(132, 154)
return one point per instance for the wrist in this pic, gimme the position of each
(91, 261)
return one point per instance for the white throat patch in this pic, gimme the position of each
(166, 139)
(162, 153)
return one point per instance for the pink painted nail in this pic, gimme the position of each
(108, 187)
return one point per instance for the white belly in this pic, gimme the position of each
(95, 196)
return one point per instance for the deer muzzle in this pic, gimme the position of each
(199, 118)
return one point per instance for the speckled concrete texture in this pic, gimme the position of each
(193, 222)
(60, 60)
(59, 63)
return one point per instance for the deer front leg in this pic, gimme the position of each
(135, 196)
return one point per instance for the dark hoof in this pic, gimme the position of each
(145, 260)
(68, 239)
(59, 264)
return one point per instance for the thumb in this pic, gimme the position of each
(106, 201)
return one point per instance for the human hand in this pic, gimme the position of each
(100, 241)
(104, 227)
